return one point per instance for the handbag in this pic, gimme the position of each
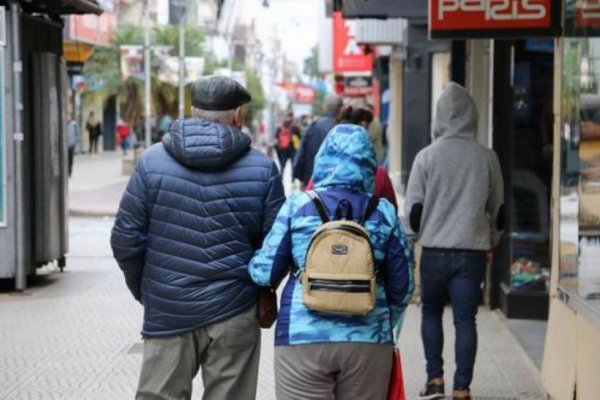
(266, 307)
(396, 389)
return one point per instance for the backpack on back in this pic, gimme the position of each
(284, 139)
(339, 275)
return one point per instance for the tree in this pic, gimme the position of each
(311, 63)
(168, 35)
(103, 71)
(254, 109)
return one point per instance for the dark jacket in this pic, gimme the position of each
(314, 137)
(196, 208)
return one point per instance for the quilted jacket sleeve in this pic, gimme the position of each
(273, 201)
(130, 231)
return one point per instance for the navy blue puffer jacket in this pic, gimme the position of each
(196, 208)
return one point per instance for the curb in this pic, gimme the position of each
(92, 213)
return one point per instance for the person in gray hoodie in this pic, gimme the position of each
(454, 203)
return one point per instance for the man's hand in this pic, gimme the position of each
(489, 257)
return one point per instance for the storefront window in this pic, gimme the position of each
(580, 170)
(529, 160)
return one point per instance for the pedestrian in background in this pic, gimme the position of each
(94, 129)
(383, 184)
(73, 139)
(454, 202)
(375, 129)
(196, 208)
(313, 138)
(319, 355)
(285, 141)
(123, 135)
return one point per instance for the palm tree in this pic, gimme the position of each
(103, 72)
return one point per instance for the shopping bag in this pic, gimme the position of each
(396, 389)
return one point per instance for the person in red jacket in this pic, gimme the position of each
(123, 132)
(383, 185)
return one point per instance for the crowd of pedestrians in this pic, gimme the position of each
(206, 238)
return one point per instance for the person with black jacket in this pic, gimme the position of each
(195, 210)
(313, 138)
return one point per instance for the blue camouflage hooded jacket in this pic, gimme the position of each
(344, 169)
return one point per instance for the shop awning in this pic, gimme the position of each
(64, 7)
(384, 9)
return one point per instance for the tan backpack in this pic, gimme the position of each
(339, 275)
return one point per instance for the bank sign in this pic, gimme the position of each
(493, 18)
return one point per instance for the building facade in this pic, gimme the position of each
(536, 83)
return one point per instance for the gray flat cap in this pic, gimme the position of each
(219, 93)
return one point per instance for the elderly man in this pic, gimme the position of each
(196, 208)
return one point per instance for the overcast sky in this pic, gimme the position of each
(295, 20)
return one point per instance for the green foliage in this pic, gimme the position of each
(103, 70)
(254, 109)
(318, 108)
(169, 36)
(311, 63)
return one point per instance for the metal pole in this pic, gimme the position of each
(18, 136)
(182, 67)
(148, 86)
(395, 128)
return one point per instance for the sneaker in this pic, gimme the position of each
(464, 394)
(434, 389)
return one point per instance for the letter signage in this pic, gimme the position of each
(493, 18)
(348, 55)
(582, 18)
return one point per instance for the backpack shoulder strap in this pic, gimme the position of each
(371, 208)
(319, 206)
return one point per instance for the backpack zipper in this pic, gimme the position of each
(347, 286)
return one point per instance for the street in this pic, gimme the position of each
(75, 335)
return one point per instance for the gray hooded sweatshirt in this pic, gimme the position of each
(455, 190)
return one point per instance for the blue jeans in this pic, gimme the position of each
(458, 273)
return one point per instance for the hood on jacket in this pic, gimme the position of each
(203, 144)
(456, 114)
(346, 159)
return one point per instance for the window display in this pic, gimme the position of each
(530, 163)
(580, 165)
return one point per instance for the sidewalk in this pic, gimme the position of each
(97, 184)
(76, 336)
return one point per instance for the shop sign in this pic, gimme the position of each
(132, 62)
(168, 70)
(582, 18)
(93, 29)
(304, 94)
(348, 55)
(358, 85)
(587, 13)
(493, 18)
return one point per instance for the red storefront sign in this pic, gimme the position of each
(587, 13)
(93, 29)
(348, 56)
(493, 18)
(304, 94)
